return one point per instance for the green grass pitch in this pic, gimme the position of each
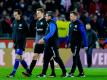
(91, 74)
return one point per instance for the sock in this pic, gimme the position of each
(32, 65)
(24, 64)
(16, 64)
(52, 66)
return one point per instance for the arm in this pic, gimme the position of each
(95, 36)
(51, 33)
(83, 33)
(26, 29)
(69, 35)
(96, 39)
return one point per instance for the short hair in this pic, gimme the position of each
(74, 12)
(41, 10)
(18, 11)
(88, 24)
(50, 13)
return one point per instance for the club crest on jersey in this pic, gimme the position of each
(41, 23)
(20, 25)
(70, 26)
(75, 26)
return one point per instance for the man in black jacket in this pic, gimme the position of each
(92, 39)
(77, 34)
(19, 32)
(51, 46)
(41, 26)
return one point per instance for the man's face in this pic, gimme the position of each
(73, 17)
(47, 17)
(39, 14)
(16, 15)
(88, 26)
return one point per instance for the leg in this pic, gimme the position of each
(79, 64)
(73, 49)
(16, 64)
(17, 60)
(74, 64)
(37, 50)
(25, 66)
(81, 73)
(33, 63)
(52, 67)
(58, 59)
(28, 72)
(89, 57)
(46, 59)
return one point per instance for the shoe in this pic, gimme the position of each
(70, 75)
(64, 75)
(41, 75)
(81, 75)
(10, 76)
(26, 74)
(52, 75)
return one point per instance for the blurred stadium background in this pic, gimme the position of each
(90, 11)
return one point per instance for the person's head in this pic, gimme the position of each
(88, 26)
(57, 13)
(73, 16)
(62, 17)
(17, 14)
(49, 15)
(40, 13)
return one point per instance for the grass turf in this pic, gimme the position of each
(91, 74)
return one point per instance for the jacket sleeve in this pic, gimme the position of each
(83, 33)
(52, 29)
(95, 36)
(26, 29)
(69, 35)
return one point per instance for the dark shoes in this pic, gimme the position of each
(64, 75)
(10, 75)
(52, 75)
(81, 75)
(26, 74)
(41, 75)
(70, 75)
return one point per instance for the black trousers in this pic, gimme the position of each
(52, 52)
(89, 56)
(76, 58)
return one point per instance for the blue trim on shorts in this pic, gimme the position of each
(19, 51)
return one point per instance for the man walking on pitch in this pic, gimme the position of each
(51, 46)
(41, 26)
(20, 30)
(77, 33)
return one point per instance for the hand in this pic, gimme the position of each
(66, 46)
(97, 44)
(41, 41)
(97, 47)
